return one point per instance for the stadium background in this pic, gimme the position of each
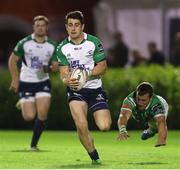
(16, 22)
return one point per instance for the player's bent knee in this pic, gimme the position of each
(28, 117)
(105, 127)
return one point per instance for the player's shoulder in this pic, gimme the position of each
(25, 39)
(130, 96)
(62, 43)
(93, 38)
(158, 105)
(157, 99)
(130, 99)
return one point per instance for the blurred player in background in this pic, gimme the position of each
(83, 50)
(33, 84)
(147, 108)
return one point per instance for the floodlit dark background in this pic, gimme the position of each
(125, 27)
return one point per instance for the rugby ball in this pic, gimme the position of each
(81, 75)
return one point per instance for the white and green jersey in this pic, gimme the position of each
(84, 55)
(156, 107)
(34, 55)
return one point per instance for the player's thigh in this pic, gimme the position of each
(103, 119)
(79, 112)
(43, 100)
(28, 108)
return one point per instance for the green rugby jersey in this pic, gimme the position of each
(34, 55)
(156, 107)
(85, 55)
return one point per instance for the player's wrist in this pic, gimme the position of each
(122, 129)
(64, 80)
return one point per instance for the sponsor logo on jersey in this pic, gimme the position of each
(39, 46)
(75, 64)
(68, 55)
(35, 62)
(89, 53)
(100, 48)
(78, 48)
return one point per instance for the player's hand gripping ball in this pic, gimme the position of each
(81, 75)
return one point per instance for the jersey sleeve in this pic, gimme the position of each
(128, 104)
(18, 50)
(54, 44)
(158, 110)
(61, 58)
(99, 53)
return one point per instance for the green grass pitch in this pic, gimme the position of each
(62, 150)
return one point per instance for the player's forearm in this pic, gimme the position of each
(122, 121)
(12, 64)
(162, 134)
(99, 69)
(64, 74)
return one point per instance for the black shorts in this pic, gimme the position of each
(95, 98)
(27, 89)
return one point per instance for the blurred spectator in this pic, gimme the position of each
(175, 54)
(118, 53)
(138, 59)
(156, 56)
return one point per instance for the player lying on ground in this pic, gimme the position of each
(147, 108)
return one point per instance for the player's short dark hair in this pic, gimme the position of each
(41, 18)
(75, 15)
(144, 88)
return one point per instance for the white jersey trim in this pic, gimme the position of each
(126, 109)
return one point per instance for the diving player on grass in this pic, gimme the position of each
(147, 108)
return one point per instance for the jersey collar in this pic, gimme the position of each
(33, 37)
(85, 38)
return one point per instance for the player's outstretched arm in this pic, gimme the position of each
(122, 123)
(162, 131)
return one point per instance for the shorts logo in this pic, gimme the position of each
(46, 88)
(99, 97)
(28, 94)
(76, 94)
